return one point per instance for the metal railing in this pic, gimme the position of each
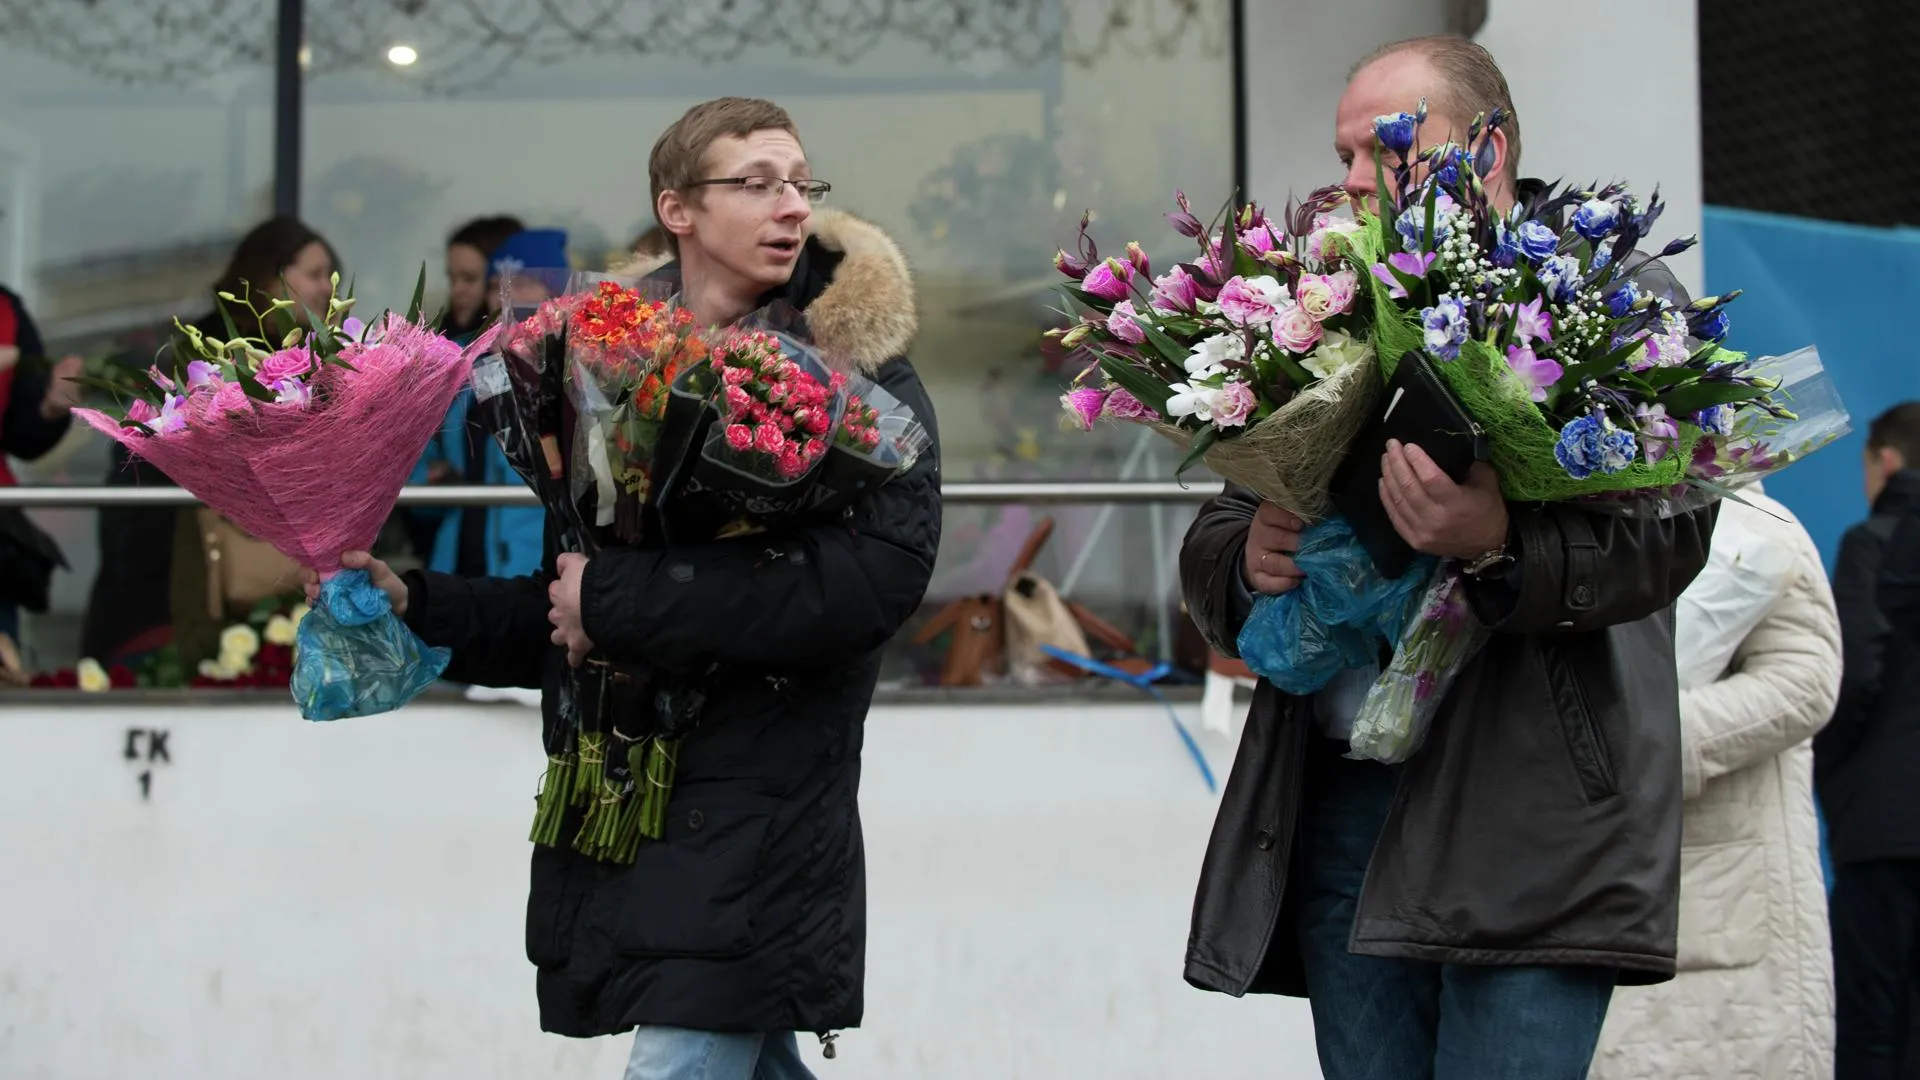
(962, 493)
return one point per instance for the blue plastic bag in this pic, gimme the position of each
(354, 657)
(1338, 617)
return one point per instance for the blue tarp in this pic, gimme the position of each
(1851, 291)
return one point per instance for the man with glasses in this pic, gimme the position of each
(746, 923)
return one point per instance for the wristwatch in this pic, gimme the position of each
(1493, 564)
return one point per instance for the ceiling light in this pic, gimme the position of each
(402, 55)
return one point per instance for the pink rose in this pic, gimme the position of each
(1233, 405)
(739, 437)
(1252, 301)
(734, 376)
(285, 364)
(1325, 295)
(738, 401)
(818, 421)
(1123, 323)
(1295, 330)
(1111, 280)
(815, 447)
(789, 463)
(769, 439)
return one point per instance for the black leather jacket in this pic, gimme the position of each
(1540, 822)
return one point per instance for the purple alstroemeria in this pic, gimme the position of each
(202, 373)
(1537, 373)
(1658, 433)
(1111, 280)
(1414, 266)
(1530, 322)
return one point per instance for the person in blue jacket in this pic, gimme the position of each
(500, 541)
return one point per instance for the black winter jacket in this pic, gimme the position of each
(1867, 760)
(1540, 822)
(750, 914)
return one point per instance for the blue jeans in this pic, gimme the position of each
(664, 1053)
(1376, 1018)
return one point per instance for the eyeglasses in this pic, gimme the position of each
(767, 188)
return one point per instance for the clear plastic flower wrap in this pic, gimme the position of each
(1338, 618)
(354, 657)
(762, 412)
(1748, 444)
(1393, 720)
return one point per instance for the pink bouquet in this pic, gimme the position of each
(304, 439)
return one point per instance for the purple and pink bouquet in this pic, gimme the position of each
(1257, 355)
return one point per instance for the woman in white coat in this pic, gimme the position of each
(1758, 647)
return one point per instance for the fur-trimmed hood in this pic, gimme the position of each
(853, 284)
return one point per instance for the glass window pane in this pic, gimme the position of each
(135, 149)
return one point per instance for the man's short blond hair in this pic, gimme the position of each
(1471, 84)
(680, 154)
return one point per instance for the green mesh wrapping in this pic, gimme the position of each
(1520, 438)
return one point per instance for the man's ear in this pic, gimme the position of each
(1491, 157)
(674, 214)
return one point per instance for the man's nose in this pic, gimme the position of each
(793, 205)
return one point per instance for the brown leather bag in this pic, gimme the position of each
(241, 571)
(977, 650)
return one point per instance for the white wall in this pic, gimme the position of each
(1645, 130)
(1297, 57)
(330, 901)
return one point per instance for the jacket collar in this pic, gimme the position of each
(1901, 496)
(852, 284)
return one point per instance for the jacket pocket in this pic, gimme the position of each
(688, 894)
(1723, 906)
(1586, 742)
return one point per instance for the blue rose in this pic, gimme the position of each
(1537, 241)
(1445, 324)
(1712, 326)
(1506, 247)
(1602, 255)
(1589, 444)
(1412, 225)
(1715, 420)
(1620, 302)
(1395, 131)
(1578, 450)
(1595, 219)
(1450, 157)
(1618, 449)
(1560, 278)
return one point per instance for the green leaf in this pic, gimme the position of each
(1380, 188)
(254, 390)
(1693, 397)
(226, 317)
(1203, 441)
(1087, 300)
(1174, 352)
(419, 295)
